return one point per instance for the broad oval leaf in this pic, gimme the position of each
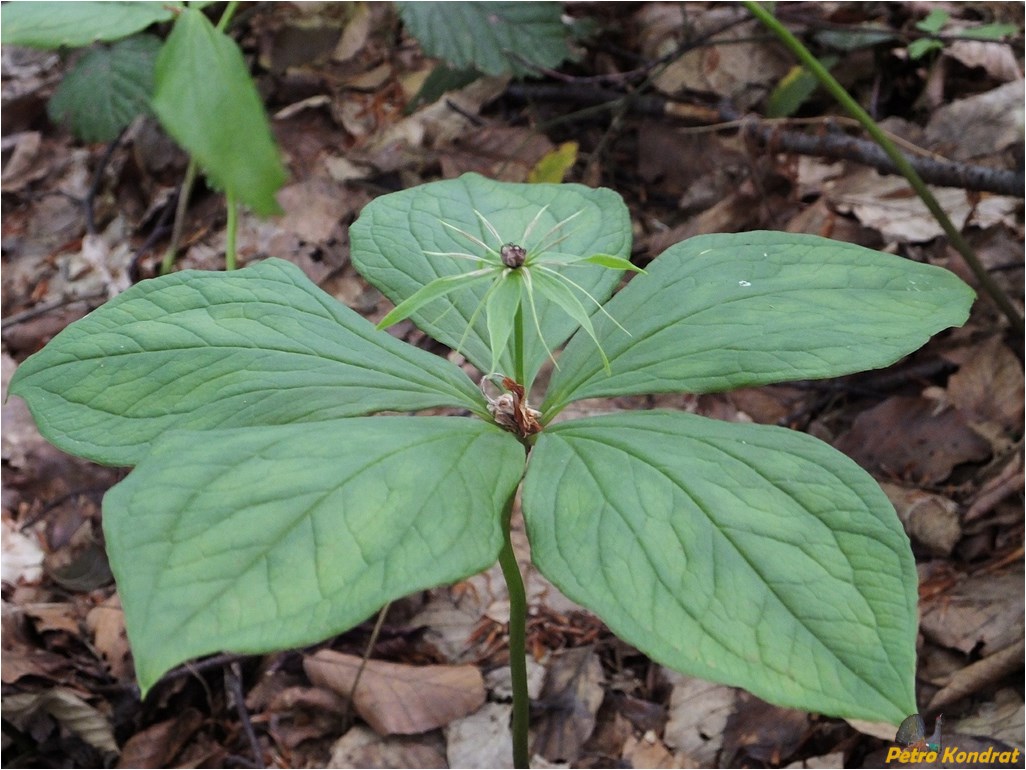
(76, 24)
(261, 539)
(258, 346)
(495, 37)
(207, 101)
(749, 555)
(393, 234)
(726, 311)
(107, 89)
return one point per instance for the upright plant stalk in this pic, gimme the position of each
(515, 589)
(900, 161)
(517, 641)
(230, 230)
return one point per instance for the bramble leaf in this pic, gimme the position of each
(744, 554)
(107, 89)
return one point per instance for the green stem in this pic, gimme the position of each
(226, 15)
(517, 641)
(900, 161)
(230, 231)
(180, 210)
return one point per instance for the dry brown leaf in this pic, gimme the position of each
(929, 519)
(64, 705)
(979, 125)
(397, 698)
(982, 609)
(54, 617)
(481, 739)
(361, 747)
(698, 715)
(648, 751)
(979, 675)
(157, 745)
(989, 386)
(914, 438)
(571, 698)
(998, 61)
(107, 624)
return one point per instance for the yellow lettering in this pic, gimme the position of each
(949, 754)
(1015, 756)
(893, 753)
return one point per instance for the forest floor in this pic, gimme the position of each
(940, 430)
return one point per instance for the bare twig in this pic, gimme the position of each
(943, 173)
(233, 681)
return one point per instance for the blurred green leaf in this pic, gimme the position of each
(72, 25)
(206, 99)
(934, 21)
(107, 89)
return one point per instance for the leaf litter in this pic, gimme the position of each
(942, 432)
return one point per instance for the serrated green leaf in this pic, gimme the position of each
(107, 89)
(76, 24)
(260, 539)
(726, 311)
(254, 347)
(206, 100)
(748, 555)
(394, 234)
(495, 38)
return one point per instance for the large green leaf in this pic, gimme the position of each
(57, 25)
(725, 311)
(108, 88)
(259, 346)
(495, 38)
(390, 239)
(206, 100)
(744, 554)
(259, 539)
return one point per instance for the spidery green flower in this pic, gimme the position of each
(516, 269)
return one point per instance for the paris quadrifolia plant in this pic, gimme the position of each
(285, 488)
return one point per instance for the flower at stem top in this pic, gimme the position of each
(514, 271)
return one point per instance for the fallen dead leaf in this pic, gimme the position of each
(929, 519)
(989, 387)
(648, 751)
(361, 747)
(64, 705)
(699, 711)
(570, 699)
(481, 739)
(914, 438)
(158, 745)
(983, 609)
(397, 698)
(107, 624)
